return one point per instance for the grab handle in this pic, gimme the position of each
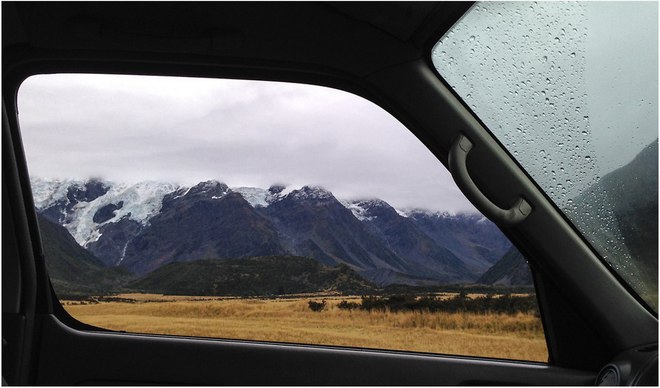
(458, 168)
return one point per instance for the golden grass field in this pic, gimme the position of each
(518, 336)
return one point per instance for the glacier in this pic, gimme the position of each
(140, 201)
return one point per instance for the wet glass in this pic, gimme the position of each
(571, 90)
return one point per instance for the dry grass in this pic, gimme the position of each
(517, 336)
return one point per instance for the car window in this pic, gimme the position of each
(263, 211)
(571, 90)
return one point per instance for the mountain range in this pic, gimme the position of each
(98, 233)
(143, 227)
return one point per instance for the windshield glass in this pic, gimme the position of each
(571, 90)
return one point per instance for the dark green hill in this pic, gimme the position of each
(73, 270)
(619, 216)
(510, 270)
(633, 190)
(256, 276)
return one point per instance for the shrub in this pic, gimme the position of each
(459, 303)
(316, 306)
(344, 305)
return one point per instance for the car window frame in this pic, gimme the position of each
(429, 62)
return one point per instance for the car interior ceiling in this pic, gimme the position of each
(378, 52)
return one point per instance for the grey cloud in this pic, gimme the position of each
(243, 133)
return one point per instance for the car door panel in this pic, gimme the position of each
(69, 357)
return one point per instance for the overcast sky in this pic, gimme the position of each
(243, 133)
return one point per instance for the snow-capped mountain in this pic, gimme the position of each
(360, 208)
(84, 207)
(146, 225)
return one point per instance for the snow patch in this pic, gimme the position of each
(401, 213)
(123, 253)
(416, 212)
(49, 191)
(184, 194)
(94, 236)
(271, 198)
(358, 209)
(310, 192)
(255, 196)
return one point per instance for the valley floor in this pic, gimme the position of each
(509, 336)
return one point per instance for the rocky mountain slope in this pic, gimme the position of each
(72, 269)
(510, 270)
